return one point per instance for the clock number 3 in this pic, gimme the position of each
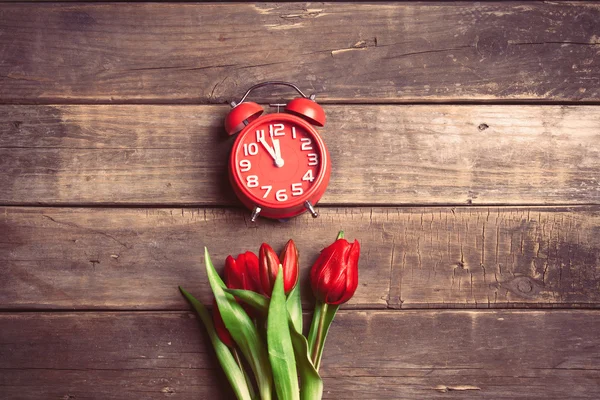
(313, 159)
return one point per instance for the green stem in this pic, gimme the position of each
(318, 345)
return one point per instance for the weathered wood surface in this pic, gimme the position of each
(373, 355)
(395, 52)
(471, 154)
(72, 258)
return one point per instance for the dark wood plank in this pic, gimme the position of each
(373, 354)
(393, 52)
(65, 258)
(381, 155)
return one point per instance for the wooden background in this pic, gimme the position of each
(465, 141)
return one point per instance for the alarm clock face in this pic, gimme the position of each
(278, 163)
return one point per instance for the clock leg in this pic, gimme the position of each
(311, 209)
(255, 213)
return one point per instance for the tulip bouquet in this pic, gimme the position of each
(256, 324)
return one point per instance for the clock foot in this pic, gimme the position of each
(255, 213)
(311, 209)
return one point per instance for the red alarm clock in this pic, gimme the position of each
(279, 166)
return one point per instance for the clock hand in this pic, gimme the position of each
(279, 160)
(268, 148)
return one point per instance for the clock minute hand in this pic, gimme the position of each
(279, 159)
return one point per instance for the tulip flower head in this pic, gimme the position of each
(222, 331)
(269, 266)
(242, 272)
(334, 276)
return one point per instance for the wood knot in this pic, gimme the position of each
(483, 127)
(523, 286)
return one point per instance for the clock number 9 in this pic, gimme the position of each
(246, 165)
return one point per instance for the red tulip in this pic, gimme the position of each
(242, 273)
(289, 261)
(334, 276)
(269, 266)
(222, 331)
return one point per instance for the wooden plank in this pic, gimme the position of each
(393, 52)
(373, 354)
(385, 155)
(69, 258)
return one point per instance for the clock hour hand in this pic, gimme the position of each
(278, 159)
(268, 148)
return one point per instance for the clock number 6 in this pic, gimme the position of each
(281, 195)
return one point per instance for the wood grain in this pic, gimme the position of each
(76, 258)
(372, 354)
(210, 53)
(388, 155)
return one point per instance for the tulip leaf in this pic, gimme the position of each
(242, 330)
(281, 350)
(311, 383)
(294, 308)
(234, 373)
(253, 299)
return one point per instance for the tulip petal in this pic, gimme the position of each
(352, 270)
(268, 265)
(234, 374)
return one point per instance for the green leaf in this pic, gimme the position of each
(281, 351)
(238, 360)
(340, 235)
(242, 330)
(253, 299)
(294, 308)
(234, 373)
(312, 385)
